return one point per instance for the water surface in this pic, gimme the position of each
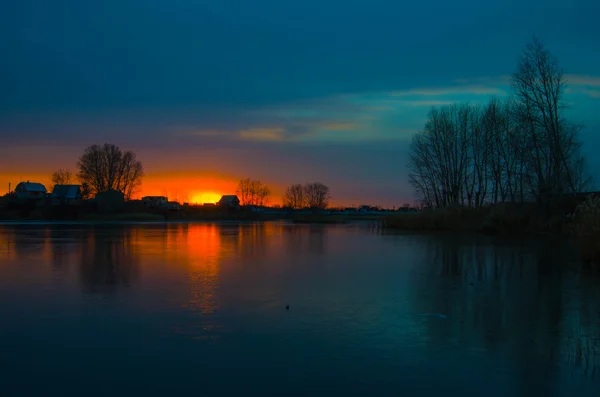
(199, 309)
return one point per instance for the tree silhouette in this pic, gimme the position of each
(294, 196)
(107, 167)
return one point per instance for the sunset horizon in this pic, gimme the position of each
(300, 198)
(203, 106)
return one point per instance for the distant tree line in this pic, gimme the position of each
(519, 149)
(311, 195)
(106, 167)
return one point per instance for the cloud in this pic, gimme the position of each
(340, 126)
(496, 81)
(446, 91)
(590, 93)
(429, 103)
(583, 84)
(582, 80)
(263, 134)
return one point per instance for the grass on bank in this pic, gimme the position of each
(511, 219)
(585, 227)
(505, 218)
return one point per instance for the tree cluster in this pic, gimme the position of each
(107, 167)
(520, 149)
(312, 195)
(252, 192)
(101, 168)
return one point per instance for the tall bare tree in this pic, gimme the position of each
(294, 196)
(252, 192)
(107, 167)
(317, 195)
(538, 87)
(519, 149)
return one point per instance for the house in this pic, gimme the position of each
(110, 201)
(30, 191)
(229, 201)
(66, 195)
(155, 201)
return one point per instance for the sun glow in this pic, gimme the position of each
(204, 197)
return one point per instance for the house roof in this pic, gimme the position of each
(66, 191)
(33, 186)
(229, 199)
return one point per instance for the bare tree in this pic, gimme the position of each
(243, 190)
(262, 194)
(317, 195)
(252, 192)
(538, 86)
(294, 196)
(440, 157)
(106, 167)
(519, 149)
(61, 177)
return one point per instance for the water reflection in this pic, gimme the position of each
(306, 240)
(521, 310)
(64, 243)
(204, 254)
(522, 300)
(108, 259)
(252, 240)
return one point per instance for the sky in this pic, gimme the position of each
(209, 92)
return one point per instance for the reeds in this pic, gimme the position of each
(585, 226)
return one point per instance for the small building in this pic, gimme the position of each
(110, 201)
(229, 201)
(66, 195)
(155, 201)
(30, 191)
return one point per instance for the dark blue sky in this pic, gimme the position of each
(321, 89)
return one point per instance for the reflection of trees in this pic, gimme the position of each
(63, 243)
(252, 241)
(305, 240)
(107, 259)
(26, 241)
(508, 297)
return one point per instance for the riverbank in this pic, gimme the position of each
(71, 214)
(581, 223)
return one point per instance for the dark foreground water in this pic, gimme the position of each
(199, 310)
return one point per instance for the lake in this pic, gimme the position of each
(200, 309)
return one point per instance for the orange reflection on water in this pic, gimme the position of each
(203, 251)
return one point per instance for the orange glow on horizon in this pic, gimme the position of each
(204, 197)
(188, 188)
